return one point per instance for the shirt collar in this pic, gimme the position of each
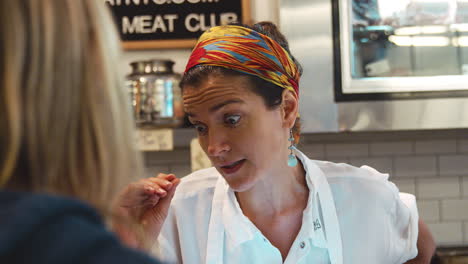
(237, 226)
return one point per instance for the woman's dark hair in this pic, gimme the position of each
(271, 93)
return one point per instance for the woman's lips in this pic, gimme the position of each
(233, 167)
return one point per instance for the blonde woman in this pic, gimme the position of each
(65, 134)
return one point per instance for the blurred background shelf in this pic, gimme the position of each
(163, 139)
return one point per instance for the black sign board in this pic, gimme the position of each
(146, 24)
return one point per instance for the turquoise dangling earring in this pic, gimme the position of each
(292, 160)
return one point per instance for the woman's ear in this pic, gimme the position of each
(290, 108)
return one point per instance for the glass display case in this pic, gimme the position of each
(400, 49)
(368, 54)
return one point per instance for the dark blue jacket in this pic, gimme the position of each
(44, 229)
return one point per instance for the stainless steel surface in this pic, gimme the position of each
(308, 27)
(155, 93)
(403, 114)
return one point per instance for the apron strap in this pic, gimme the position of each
(215, 243)
(330, 217)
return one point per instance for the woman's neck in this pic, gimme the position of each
(277, 194)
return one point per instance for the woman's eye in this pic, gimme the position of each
(200, 128)
(232, 119)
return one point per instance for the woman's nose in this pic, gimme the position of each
(217, 145)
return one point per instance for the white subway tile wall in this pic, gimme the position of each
(452, 209)
(463, 146)
(391, 148)
(382, 164)
(346, 150)
(415, 166)
(465, 186)
(429, 210)
(447, 233)
(313, 151)
(448, 187)
(433, 167)
(405, 185)
(435, 146)
(454, 165)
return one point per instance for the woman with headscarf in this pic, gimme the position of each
(264, 201)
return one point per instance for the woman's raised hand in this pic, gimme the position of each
(141, 208)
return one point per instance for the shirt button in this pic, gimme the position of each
(302, 245)
(264, 240)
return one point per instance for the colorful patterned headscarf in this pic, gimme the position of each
(245, 50)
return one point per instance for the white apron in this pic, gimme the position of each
(323, 195)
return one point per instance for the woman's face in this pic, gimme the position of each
(243, 139)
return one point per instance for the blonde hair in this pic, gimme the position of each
(65, 124)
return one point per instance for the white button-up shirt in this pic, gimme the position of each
(364, 217)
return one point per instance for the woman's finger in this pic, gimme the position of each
(154, 200)
(163, 183)
(169, 177)
(137, 193)
(152, 188)
(144, 191)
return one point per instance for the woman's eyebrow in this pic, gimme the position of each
(220, 105)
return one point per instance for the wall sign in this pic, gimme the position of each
(147, 24)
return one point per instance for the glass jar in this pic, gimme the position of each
(155, 93)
